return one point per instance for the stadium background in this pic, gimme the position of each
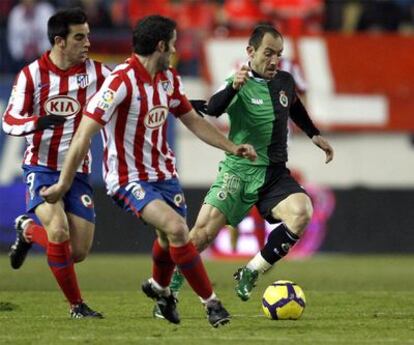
(356, 58)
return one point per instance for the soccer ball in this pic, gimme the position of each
(283, 300)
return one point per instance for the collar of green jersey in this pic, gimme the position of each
(254, 75)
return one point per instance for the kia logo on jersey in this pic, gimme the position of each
(62, 105)
(156, 117)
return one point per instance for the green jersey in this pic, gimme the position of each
(258, 116)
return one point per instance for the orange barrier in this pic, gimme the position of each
(380, 64)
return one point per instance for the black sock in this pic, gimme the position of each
(278, 244)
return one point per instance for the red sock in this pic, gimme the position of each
(163, 266)
(37, 234)
(60, 262)
(191, 266)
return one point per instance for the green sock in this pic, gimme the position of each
(177, 282)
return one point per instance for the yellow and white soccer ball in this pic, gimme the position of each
(283, 300)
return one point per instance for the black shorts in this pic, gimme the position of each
(278, 185)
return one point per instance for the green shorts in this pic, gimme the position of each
(235, 191)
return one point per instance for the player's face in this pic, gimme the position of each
(265, 59)
(77, 44)
(165, 58)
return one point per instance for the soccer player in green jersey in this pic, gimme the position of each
(259, 99)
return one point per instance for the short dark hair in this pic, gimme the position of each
(149, 31)
(58, 24)
(258, 33)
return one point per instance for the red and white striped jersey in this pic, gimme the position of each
(40, 89)
(133, 109)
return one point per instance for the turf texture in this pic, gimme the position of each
(350, 300)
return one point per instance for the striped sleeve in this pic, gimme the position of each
(103, 104)
(18, 119)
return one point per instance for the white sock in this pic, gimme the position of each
(258, 263)
(164, 291)
(205, 301)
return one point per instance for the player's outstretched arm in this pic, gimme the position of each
(212, 136)
(323, 144)
(77, 152)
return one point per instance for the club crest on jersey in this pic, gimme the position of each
(174, 103)
(83, 80)
(62, 105)
(283, 99)
(167, 87)
(156, 117)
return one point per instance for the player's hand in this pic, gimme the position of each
(49, 121)
(322, 143)
(241, 76)
(53, 193)
(200, 106)
(246, 151)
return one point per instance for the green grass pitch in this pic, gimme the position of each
(350, 300)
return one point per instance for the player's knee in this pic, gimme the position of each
(210, 239)
(177, 231)
(299, 218)
(79, 257)
(203, 234)
(199, 239)
(79, 254)
(58, 234)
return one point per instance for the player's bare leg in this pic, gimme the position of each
(81, 236)
(234, 237)
(209, 222)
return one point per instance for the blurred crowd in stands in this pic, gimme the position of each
(23, 22)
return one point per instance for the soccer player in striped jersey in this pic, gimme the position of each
(139, 166)
(46, 107)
